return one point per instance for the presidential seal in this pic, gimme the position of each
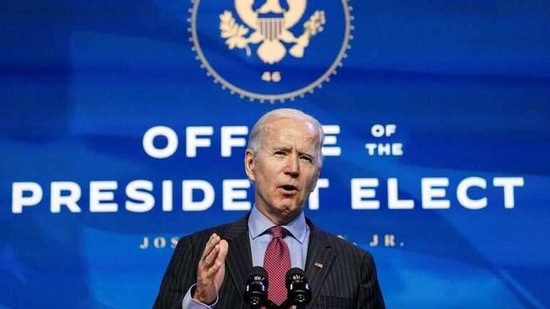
(270, 50)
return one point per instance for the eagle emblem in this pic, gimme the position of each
(269, 25)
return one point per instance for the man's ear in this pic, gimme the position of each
(316, 179)
(249, 161)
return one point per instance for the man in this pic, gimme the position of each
(283, 160)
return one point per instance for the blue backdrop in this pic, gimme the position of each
(121, 129)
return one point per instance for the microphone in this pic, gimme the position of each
(299, 293)
(255, 293)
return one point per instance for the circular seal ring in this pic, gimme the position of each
(254, 93)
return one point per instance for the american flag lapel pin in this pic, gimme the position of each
(319, 265)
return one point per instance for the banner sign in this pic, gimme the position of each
(123, 127)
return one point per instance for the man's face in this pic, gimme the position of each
(285, 169)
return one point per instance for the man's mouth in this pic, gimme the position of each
(289, 188)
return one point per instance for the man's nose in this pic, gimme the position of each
(293, 166)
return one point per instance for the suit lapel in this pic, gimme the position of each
(320, 257)
(319, 260)
(239, 257)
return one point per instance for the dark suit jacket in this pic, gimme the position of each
(340, 274)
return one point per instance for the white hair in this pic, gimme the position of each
(257, 132)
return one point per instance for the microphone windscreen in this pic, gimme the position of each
(295, 274)
(299, 293)
(257, 273)
(255, 293)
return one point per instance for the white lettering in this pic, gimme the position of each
(329, 144)
(159, 242)
(228, 141)
(140, 196)
(188, 186)
(393, 196)
(70, 200)
(25, 194)
(101, 192)
(508, 184)
(167, 195)
(160, 131)
(462, 193)
(193, 141)
(384, 149)
(140, 192)
(313, 201)
(430, 193)
(361, 189)
(234, 199)
(390, 129)
(377, 130)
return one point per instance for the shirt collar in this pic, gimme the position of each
(258, 224)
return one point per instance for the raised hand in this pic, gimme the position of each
(211, 269)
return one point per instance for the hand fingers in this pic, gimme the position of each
(224, 248)
(214, 252)
(210, 245)
(211, 258)
(218, 261)
(211, 269)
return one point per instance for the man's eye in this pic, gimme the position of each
(306, 158)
